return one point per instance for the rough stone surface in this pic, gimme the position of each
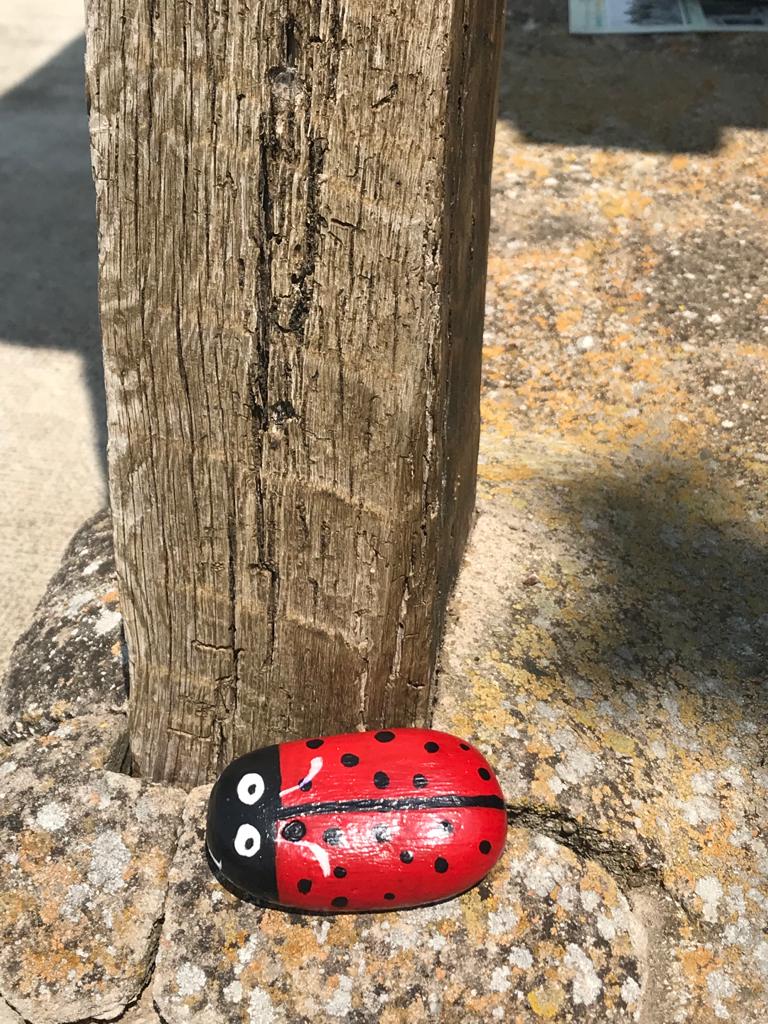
(8, 1015)
(608, 641)
(546, 931)
(83, 872)
(142, 1012)
(71, 660)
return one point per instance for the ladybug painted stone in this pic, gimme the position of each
(359, 821)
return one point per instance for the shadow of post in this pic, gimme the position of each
(48, 259)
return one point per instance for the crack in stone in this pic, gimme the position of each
(590, 843)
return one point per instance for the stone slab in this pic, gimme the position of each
(72, 658)
(548, 935)
(608, 642)
(85, 854)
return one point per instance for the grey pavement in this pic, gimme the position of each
(51, 390)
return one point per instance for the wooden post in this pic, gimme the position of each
(293, 201)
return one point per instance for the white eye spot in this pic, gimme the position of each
(247, 841)
(250, 789)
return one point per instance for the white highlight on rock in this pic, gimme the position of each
(760, 956)
(78, 601)
(246, 954)
(710, 892)
(576, 765)
(190, 979)
(76, 896)
(606, 927)
(340, 1003)
(586, 984)
(260, 1008)
(250, 789)
(314, 767)
(589, 900)
(630, 992)
(520, 957)
(500, 979)
(544, 873)
(109, 859)
(233, 993)
(503, 921)
(720, 987)
(107, 621)
(52, 816)
(247, 841)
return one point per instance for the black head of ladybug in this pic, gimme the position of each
(242, 819)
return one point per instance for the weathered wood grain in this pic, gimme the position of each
(293, 216)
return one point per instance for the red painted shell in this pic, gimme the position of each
(360, 821)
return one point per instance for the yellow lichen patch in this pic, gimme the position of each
(619, 742)
(546, 1001)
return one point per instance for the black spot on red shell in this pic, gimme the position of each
(340, 872)
(294, 831)
(306, 786)
(431, 747)
(389, 895)
(332, 836)
(447, 826)
(304, 885)
(420, 781)
(484, 773)
(381, 780)
(314, 744)
(464, 746)
(384, 736)
(339, 901)
(441, 865)
(485, 846)
(350, 760)
(406, 856)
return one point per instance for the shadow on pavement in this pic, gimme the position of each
(665, 93)
(676, 585)
(48, 257)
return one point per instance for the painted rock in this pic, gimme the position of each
(355, 822)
